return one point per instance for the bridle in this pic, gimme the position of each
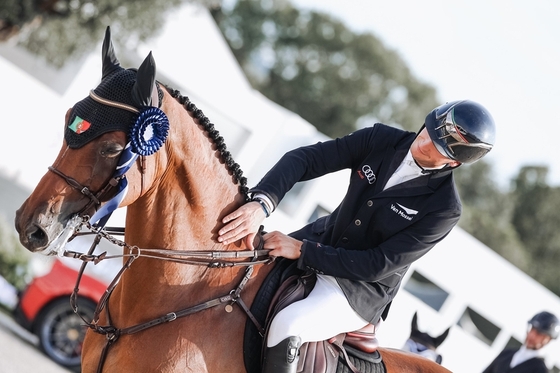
(94, 198)
(210, 259)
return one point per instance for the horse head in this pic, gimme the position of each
(422, 343)
(97, 131)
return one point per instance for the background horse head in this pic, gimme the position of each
(422, 343)
(136, 143)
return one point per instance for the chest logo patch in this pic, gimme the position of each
(403, 212)
(367, 173)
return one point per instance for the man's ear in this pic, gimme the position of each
(454, 164)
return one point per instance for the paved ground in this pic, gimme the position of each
(19, 352)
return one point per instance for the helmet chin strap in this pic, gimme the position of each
(432, 171)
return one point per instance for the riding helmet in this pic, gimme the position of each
(461, 130)
(546, 323)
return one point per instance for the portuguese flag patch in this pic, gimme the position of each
(79, 125)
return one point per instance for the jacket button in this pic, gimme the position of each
(370, 203)
(345, 240)
(358, 222)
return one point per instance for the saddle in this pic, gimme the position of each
(356, 351)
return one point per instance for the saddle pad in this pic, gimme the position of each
(252, 342)
(362, 366)
(374, 357)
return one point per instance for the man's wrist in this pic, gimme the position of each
(265, 203)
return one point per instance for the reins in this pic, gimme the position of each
(211, 259)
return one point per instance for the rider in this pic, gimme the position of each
(543, 327)
(401, 201)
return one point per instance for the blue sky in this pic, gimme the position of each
(503, 54)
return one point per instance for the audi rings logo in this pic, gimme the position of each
(368, 172)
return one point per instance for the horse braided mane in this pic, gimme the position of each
(218, 140)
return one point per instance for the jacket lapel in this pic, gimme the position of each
(395, 156)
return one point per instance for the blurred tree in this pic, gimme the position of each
(14, 15)
(487, 212)
(59, 30)
(315, 66)
(13, 256)
(536, 219)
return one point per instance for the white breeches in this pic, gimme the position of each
(322, 315)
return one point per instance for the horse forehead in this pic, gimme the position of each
(92, 152)
(90, 119)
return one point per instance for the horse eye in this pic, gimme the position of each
(110, 150)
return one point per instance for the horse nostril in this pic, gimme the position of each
(36, 237)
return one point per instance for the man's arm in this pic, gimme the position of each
(301, 164)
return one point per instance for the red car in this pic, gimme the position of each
(44, 307)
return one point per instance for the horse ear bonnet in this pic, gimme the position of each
(90, 119)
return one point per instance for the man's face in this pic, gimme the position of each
(536, 340)
(425, 153)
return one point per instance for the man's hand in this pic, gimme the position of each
(242, 223)
(282, 245)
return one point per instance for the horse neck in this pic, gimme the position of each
(192, 190)
(188, 190)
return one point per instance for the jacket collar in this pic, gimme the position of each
(420, 185)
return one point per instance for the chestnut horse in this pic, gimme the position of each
(177, 194)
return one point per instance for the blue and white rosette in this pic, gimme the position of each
(147, 136)
(149, 132)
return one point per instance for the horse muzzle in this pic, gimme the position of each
(40, 230)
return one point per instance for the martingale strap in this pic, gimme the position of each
(112, 334)
(212, 259)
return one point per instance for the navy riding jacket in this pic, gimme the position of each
(372, 237)
(503, 360)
